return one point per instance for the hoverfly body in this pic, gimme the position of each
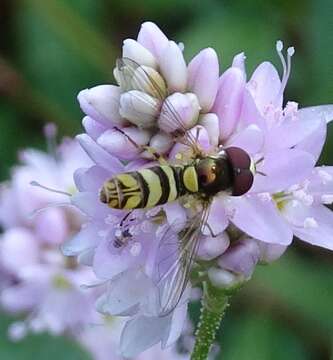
(202, 177)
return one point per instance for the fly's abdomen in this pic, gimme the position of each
(149, 187)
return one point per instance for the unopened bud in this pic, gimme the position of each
(139, 108)
(179, 111)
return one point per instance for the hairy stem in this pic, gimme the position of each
(214, 304)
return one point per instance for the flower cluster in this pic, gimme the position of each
(123, 123)
(36, 280)
(42, 283)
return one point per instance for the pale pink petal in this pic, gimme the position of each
(141, 333)
(90, 179)
(102, 104)
(87, 238)
(324, 112)
(228, 100)
(265, 85)
(210, 122)
(217, 218)
(320, 184)
(313, 224)
(121, 299)
(175, 213)
(241, 258)
(89, 204)
(21, 297)
(250, 113)
(99, 155)
(250, 139)
(51, 226)
(213, 246)
(118, 144)
(173, 67)
(239, 62)
(19, 249)
(152, 38)
(203, 75)
(176, 324)
(93, 128)
(270, 252)
(320, 116)
(304, 133)
(260, 219)
(282, 169)
(138, 53)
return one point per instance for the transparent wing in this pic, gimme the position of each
(175, 257)
(132, 76)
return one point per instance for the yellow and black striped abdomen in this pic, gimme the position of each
(149, 187)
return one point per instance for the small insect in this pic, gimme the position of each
(123, 234)
(202, 176)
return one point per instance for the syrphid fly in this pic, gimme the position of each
(200, 176)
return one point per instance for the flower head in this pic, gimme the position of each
(163, 107)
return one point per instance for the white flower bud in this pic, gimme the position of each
(135, 51)
(222, 278)
(143, 78)
(160, 143)
(173, 67)
(211, 247)
(102, 104)
(270, 252)
(139, 108)
(210, 122)
(185, 106)
(119, 144)
(241, 258)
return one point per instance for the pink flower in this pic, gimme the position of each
(122, 123)
(40, 282)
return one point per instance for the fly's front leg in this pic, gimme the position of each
(144, 148)
(210, 230)
(156, 156)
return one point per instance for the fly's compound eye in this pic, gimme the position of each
(243, 176)
(206, 171)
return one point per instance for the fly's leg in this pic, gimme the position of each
(210, 230)
(150, 150)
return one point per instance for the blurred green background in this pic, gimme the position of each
(50, 49)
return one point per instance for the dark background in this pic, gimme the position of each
(50, 49)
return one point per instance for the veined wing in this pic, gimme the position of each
(175, 257)
(133, 76)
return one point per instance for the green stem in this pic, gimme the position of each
(214, 304)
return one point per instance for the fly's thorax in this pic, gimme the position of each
(214, 174)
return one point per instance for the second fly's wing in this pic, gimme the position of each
(133, 76)
(175, 257)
